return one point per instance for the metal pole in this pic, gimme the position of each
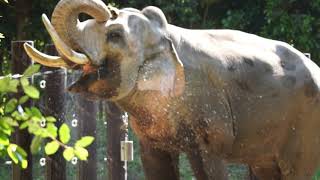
(53, 104)
(86, 112)
(20, 62)
(115, 133)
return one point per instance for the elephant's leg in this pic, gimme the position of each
(299, 158)
(251, 175)
(265, 171)
(158, 164)
(210, 168)
(197, 165)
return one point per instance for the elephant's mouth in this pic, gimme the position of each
(67, 36)
(98, 82)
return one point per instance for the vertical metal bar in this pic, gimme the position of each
(86, 111)
(53, 97)
(20, 62)
(115, 133)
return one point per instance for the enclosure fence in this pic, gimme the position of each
(102, 120)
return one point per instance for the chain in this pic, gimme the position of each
(16, 76)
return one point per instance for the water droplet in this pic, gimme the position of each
(98, 72)
(20, 109)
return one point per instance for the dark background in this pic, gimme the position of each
(294, 21)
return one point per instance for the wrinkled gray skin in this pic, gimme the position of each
(239, 97)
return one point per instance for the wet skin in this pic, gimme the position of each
(230, 118)
(243, 99)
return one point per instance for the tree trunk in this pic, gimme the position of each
(205, 14)
(22, 9)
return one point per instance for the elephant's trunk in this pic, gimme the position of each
(66, 33)
(65, 18)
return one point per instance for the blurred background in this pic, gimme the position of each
(296, 22)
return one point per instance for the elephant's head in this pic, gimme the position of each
(118, 50)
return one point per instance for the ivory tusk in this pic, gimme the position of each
(65, 50)
(44, 59)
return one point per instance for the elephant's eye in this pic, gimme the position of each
(114, 36)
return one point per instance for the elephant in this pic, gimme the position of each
(217, 95)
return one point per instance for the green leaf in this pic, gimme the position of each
(31, 70)
(4, 139)
(11, 105)
(24, 81)
(81, 153)
(22, 152)
(9, 121)
(7, 131)
(35, 119)
(8, 85)
(4, 125)
(51, 119)
(11, 150)
(13, 85)
(84, 141)
(51, 147)
(68, 154)
(4, 83)
(36, 112)
(52, 130)
(35, 144)
(23, 99)
(33, 127)
(31, 91)
(24, 125)
(24, 164)
(64, 133)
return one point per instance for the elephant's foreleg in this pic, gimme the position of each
(158, 164)
(197, 165)
(207, 168)
(269, 171)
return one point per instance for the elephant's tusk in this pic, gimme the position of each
(64, 49)
(44, 59)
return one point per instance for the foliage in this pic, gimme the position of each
(14, 115)
(317, 175)
(1, 35)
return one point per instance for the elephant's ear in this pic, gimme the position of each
(163, 71)
(179, 84)
(156, 16)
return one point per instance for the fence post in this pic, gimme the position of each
(20, 62)
(115, 133)
(53, 104)
(86, 112)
